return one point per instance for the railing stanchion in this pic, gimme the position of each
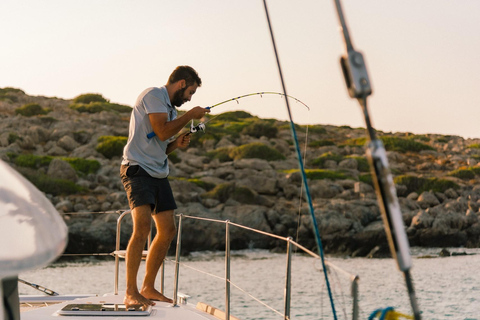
(117, 249)
(162, 277)
(177, 260)
(355, 280)
(288, 279)
(227, 270)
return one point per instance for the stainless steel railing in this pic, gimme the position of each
(354, 279)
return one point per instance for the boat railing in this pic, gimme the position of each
(290, 244)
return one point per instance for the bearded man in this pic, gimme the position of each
(144, 173)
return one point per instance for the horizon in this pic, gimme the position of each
(421, 57)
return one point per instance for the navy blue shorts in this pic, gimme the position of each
(143, 189)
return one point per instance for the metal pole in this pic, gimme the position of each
(355, 280)
(227, 270)
(288, 279)
(2, 311)
(177, 260)
(117, 248)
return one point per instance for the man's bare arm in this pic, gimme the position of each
(165, 129)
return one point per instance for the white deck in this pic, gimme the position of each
(162, 310)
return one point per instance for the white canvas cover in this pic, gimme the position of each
(32, 233)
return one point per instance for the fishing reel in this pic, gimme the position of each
(197, 128)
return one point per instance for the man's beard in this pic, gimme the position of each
(178, 99)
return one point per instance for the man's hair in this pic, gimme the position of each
(186, 73)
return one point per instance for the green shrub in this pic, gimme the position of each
(31, 109)
(233, 116)
(94, 107)
(95, 103)
(261, 128)
(319, 174)
(363, 165)
(318, 129)
(83, 166)
(419, 185)
(89, 98)
(30, 160)
(221, 154)
(366, 178)
(474, 146)
(320, 161)
(8, 94)
(442, 140)
(465, 173)
(49, 185)
(12, 137)
(255, 150)
(393, 144)
(403, 145)
(202, 184)
(111, 146)
(321, 143)
(421, 137)
(355, 142)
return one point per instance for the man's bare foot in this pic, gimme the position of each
(153, 294)
(136, 299)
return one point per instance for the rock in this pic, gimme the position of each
(444, 253)
(427, 199)
(67, 143)
(451, 193)
(422, 220)
(64, 206)
(349, 163)
(412, 196)
(255, 164)
(61, 169)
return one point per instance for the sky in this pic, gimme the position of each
(422, 56)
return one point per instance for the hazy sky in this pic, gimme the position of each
(423, 57)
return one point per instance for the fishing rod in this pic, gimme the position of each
(201, 125)
(359, 87)
(39, 288)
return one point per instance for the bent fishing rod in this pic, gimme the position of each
(359, 87)
(201, 126)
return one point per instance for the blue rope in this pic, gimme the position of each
(302, 169)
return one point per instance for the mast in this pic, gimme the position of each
(359, 87)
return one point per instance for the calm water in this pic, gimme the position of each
(447, 288)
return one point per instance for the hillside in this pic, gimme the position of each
(244, 169)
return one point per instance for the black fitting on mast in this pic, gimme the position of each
(359, 87)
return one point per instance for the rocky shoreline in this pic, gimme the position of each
(251, 190)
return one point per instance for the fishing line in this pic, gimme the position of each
(302, 169)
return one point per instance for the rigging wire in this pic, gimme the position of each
(302, 169)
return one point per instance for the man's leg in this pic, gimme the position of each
(141, 217)
(165, 224)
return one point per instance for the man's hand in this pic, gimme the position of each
(183, 140)
(198, 112)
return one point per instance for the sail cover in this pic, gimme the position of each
(32, 233)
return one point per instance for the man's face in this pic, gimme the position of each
(183, 95)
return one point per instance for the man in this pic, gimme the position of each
(144, 172)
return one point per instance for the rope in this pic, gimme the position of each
(388, 314)
(302, 169)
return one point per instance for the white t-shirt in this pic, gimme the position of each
(150, 154)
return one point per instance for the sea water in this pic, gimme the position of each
(446, 287)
